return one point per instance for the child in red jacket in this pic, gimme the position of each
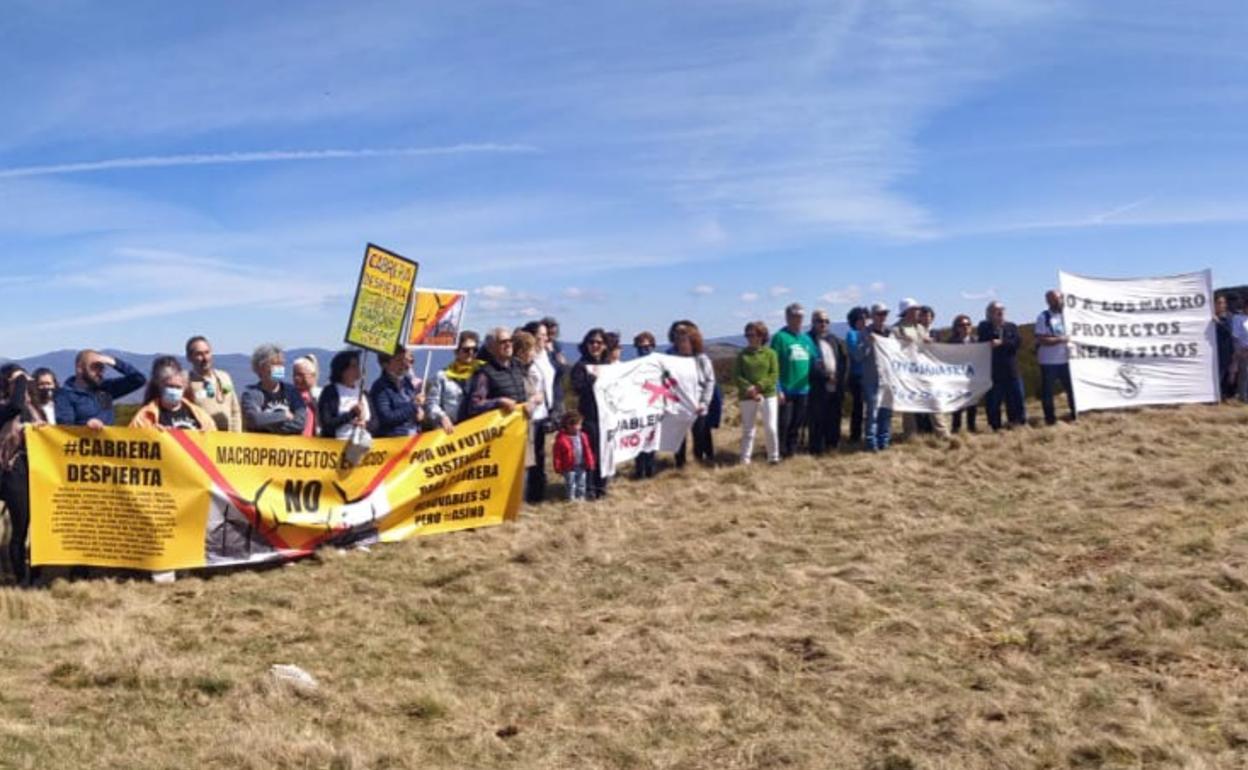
(574, 457)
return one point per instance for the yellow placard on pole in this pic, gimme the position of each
(437, 318)
(382, 299)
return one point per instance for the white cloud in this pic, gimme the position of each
(989, 293)
(702, 290)
(493, 291)
(578, 294)
(878, 287)
(263, 156)
(749, 296)
(160, 283)
(778, 291)
(847, 296)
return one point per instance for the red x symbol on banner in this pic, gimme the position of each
(660, 390)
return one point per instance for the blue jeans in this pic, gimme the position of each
(1009, 392)
(878, 425)
(1050, 374)
(577, 482)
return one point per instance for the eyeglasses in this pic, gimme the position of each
(507, 341)
(597, 341)
(821, 320)
(470, 349)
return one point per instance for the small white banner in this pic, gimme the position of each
(929, 377)
(644, 405)
(1141, 341)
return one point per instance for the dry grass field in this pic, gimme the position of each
(1044, 598)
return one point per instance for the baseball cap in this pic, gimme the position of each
(907, 304)
(878, 308)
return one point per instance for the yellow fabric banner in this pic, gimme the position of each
(163, 500)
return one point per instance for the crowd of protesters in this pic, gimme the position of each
(794, 382)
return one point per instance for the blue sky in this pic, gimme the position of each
(168, 169)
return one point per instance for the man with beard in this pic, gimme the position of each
(87, 398)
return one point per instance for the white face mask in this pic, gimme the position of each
(171, 396)
(278, 372)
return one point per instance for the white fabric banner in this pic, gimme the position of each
(928, 377)
(1141, 341)
(644, 405)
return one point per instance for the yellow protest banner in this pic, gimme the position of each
(382, 299)
(437, 318)
(162, 500)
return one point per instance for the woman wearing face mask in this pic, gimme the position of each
(44, 393)
(171, 408)
(272, 405)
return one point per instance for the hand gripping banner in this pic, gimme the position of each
(163, 500)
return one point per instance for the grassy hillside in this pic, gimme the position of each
(1065, 597)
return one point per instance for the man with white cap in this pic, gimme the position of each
(911, 330)
(877, 427)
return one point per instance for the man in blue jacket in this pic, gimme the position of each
(87, 397)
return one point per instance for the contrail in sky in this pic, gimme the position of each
(264, 156)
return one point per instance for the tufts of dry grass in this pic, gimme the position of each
(1065, 597)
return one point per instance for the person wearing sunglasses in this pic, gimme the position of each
(87, 398)
(499, 383)
(446, 401)
(593, 355)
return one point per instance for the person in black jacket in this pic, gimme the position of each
(1007, 380)
(343, 404)
(396, 396)
(827, 385)
(1226, 346)
(87, 398)
(499, 383)
(584, 373)
(16, 410)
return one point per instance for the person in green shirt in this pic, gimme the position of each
(796, 352)
(755, 373)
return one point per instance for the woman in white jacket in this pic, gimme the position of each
(687, 341)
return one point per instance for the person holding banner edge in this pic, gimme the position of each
(1053, 354)
(963, 333)
(396, 396)
(1007, 379)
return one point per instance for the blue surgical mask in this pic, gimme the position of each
(171, 396)
(278, 372)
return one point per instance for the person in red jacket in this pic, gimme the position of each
(573, 456)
